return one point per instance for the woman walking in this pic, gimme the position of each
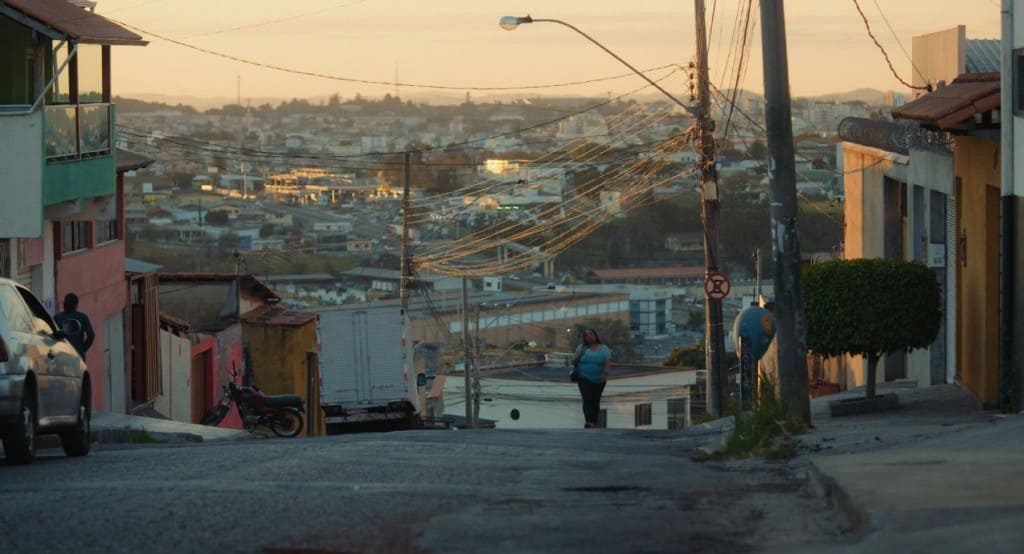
(594, 361)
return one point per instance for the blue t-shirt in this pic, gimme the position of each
(592, 362)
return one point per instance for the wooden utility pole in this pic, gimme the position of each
(470, 414)
(789, 310)
(717, 397)
(405, 278)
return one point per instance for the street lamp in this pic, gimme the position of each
(717, 397)
(511, 23)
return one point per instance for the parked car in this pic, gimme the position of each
(44, 383)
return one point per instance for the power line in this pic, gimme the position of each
(279, 20)
(377, 82)
(885, 54)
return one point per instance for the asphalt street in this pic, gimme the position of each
(418, 491)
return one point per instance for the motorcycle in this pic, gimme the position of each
(281, 413)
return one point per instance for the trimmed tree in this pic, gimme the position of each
(870, 307)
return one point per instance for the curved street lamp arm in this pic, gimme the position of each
(688, 109)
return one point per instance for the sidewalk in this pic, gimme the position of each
(936, 475)
(110, 427)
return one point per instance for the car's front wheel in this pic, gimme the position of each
(20, 444)
(76, 441)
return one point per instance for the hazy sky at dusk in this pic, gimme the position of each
(459, 43)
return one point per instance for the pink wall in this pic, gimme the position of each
(225, 349)
(97, 277)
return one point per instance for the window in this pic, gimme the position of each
(74, 236)
(13, 309)
(40, 318)
(677, 412)
(106, 231)
(5, 258)
(641, 415)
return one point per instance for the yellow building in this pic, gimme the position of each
(279, 345)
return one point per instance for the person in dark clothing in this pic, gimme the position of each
(75, 325)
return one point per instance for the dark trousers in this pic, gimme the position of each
(591, 394)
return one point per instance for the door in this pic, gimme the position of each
(113, 354)
(200, 378)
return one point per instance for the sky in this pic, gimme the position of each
(458, 43)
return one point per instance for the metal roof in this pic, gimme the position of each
(131, 265)
(948, 107)
(60, 19)
(278, 317)
(983, 55)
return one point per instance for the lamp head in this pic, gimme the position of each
(510, 22)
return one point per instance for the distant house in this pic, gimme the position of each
(636, 397)
(359, 245)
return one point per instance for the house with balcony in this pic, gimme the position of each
(61, 218)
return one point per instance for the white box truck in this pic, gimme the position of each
(363, 385)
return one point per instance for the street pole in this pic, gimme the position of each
(789, 313)
(406, 268)
(465, 355)
(476, 370)
(757, 276)
(717, 391)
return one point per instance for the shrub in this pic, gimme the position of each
(870, 307)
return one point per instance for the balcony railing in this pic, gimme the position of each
(77, 131)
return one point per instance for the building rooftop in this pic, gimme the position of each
(650, 273)
(561, 373)
(59, 19)
(983, 55)
(948, 107)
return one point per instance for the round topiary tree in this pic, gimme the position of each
(870, 307)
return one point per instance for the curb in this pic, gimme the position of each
(124, 436)
(839, 500)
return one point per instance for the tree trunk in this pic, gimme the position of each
(872, 366)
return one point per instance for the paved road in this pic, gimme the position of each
(427, 491)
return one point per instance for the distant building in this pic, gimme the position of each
(673, 275)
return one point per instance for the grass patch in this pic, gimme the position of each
(765, 431)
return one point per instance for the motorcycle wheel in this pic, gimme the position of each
(215, 415)
(286, 423)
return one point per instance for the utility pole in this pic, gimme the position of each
(789, 310)
(476, 370)
(406, 268)
(470, 419)
(757, 276)
(717, 396)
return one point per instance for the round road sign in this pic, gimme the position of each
(716, 285)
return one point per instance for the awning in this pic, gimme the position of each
(949, 107)
(60, 19)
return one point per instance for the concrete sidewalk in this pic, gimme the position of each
(936, 475)
(110, 427)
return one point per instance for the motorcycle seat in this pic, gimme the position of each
(283, 400)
